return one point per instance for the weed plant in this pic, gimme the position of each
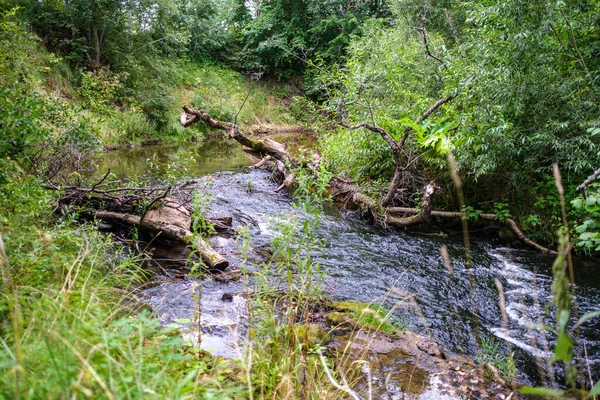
(283, 356)
(493, 355)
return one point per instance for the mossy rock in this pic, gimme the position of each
(345, 306)
(315, 334)
(336, 318)
(364, 316)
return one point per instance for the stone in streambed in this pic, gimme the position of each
(314, 334)
(339, 319)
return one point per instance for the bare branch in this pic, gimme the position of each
(426, 43)
(583, 187)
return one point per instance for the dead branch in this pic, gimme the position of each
(510, 223)
(421, 216)
(583, 187)
(125, 198)
(424, 36)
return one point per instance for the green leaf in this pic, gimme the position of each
(563, 318)
(595, 390)
(586, 317)
(541, 391)
(577, 203)
(563, 348)
(588, 235)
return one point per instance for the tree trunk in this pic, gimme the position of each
(212, 259)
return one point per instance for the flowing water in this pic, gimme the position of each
(362, 263)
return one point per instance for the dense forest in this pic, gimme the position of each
(428, 115)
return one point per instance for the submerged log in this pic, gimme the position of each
(212, 259)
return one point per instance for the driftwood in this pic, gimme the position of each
(167, 212)
(212, 259)
(348, 192)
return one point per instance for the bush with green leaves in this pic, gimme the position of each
(99, 90)
(588, 232)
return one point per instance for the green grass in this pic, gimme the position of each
(494, 356)
(153, 113)
(71, 325)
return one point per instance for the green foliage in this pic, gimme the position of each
(524, 83)
(502, 210)
(222, 92)
(157, 108)
(284, 35)
(376, 317)
(99, 89)
(128, 127)
(492, 354)
(42, 126)
(200, 203)
(471, 214)
(588, 233)
(357, 154)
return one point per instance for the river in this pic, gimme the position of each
(458, 309)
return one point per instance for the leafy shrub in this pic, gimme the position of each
(588, 232)
(158, 108)
(129, 127)
(100, 89)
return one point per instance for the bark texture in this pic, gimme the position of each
(212, 259)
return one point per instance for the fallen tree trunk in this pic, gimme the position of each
(265, 147)
(212, 259)
(509, 222)
(346, 191)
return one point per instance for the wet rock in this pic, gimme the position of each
(410, 366)
(227, 297)
(229, 276)
(264, 252)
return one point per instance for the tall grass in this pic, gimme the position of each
(71, 325)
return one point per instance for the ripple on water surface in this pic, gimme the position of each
(362, 263)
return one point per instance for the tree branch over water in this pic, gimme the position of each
(345, 191)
